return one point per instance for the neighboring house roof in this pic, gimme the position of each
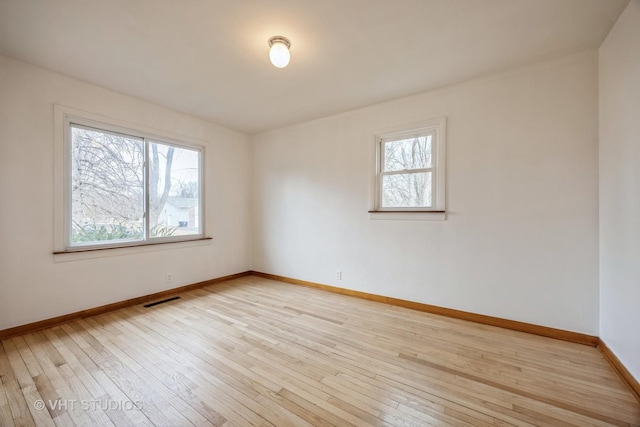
(183, 202)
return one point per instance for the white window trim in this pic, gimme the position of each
(438, 210)
(63, 116)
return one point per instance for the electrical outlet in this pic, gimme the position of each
(169, 277)
(339, 275)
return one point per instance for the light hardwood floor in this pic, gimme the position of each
(258, 352)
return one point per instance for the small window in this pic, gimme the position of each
(126, 188)
(410, 170)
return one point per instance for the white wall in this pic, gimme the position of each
(620, 189)
(34, 285)
(521, 238)
(520, 241)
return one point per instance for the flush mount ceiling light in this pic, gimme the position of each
(279, 52)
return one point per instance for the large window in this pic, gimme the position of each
(126, 188)
(410, 170)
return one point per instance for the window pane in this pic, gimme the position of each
(405, 154)
(174, 191)
(407, 190)
(106, 186)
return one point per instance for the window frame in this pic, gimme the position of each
(101, 125)
(435, 127)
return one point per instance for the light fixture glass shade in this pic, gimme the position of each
(279, 52)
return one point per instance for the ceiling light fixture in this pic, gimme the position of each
(279, 51)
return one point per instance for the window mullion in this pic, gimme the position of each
(146, 190)
(407, 171)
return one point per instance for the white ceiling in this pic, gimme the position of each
(209, 58)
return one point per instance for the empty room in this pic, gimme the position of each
(320, 213)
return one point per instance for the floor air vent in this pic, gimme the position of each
(151, 304)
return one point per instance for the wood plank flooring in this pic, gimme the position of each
(258, 352)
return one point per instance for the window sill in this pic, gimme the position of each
(89, 253)
(409, 215)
